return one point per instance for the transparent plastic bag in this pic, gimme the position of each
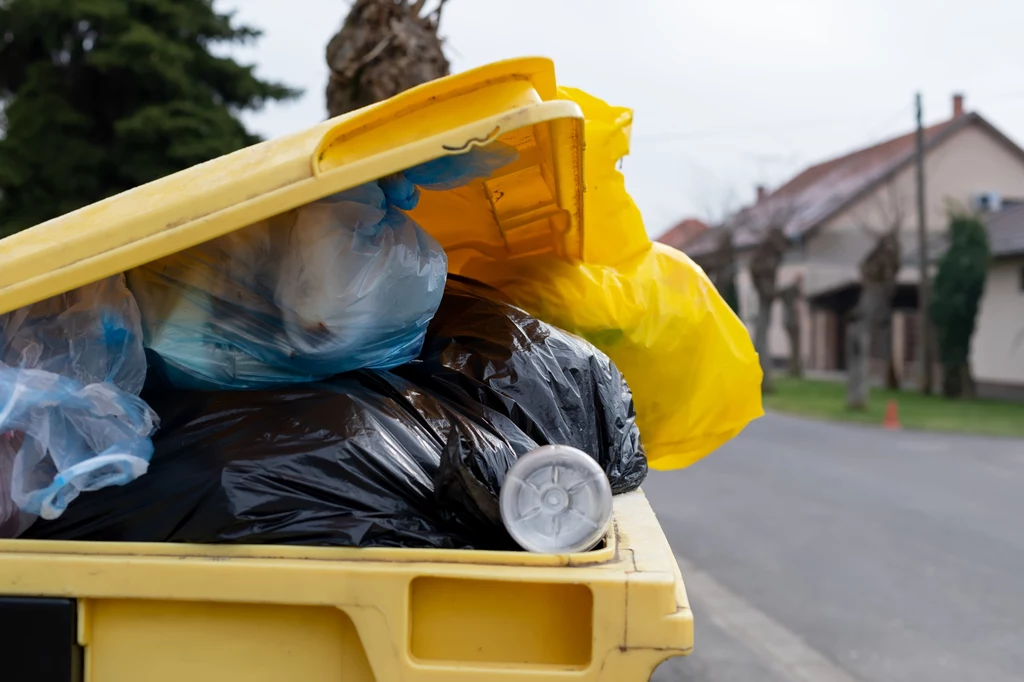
(71, 368)
(12, 521)
(347, 282)
(361, 297)
(91, 334)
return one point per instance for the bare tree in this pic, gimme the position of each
(791, 297)
(720, 266)
(766, 222)
(765, 261)
(383, 48)
(719, 207)
(893, 372)
(720, 262)
(873, 311)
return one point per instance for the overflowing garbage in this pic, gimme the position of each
(331, 376)
(315, 378)
(404, 458)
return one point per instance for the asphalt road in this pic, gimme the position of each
(838, 553)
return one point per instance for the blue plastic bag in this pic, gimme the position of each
(347, 282)
(71, 368)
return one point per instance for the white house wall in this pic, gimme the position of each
(997, 348)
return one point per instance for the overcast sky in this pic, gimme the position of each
(727, 93)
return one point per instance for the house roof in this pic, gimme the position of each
(682, 233)
(1005, 230)
(808, 200)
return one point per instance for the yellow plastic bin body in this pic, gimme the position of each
(163, 612)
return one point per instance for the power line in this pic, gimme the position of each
(796, 124)
(898, 115)
(1001, 96)
(789, 125)
(875, 133)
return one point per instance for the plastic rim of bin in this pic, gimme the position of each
(556, 500)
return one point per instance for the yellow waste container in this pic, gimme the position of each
(210, 613)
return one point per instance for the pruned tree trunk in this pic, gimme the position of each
(893, 376)
(384, 47)
(761, 329)
(873, 310)
(873, 305)
(790, 297)
(858, 359)
(764, 270)
(726, 286)
(720, 266)
(796, 362)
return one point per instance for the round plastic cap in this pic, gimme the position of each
(556, 500)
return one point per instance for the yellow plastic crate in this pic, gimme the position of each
(214, 613)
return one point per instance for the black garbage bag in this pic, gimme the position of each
(467, 485)
(556, 387)
(371, 458)
(347, 462)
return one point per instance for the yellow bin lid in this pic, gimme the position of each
(531, 206)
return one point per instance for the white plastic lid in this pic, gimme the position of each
(556, 500)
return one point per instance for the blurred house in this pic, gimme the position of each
(997, 349)
(832, 213)
(682, 233)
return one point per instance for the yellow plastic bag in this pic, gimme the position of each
(688, 358)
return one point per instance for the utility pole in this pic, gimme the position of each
(923, 293)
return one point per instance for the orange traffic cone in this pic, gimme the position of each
(892, 417)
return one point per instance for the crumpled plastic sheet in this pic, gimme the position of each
(71, 368)
(65, 437)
